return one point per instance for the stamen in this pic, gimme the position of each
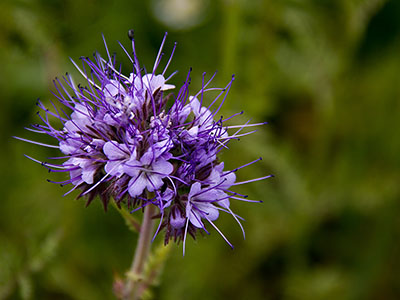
(185, 234)
(219, 231)
(36, 143)
(252, 180)
(247, 200)
(159, 52)
(43, 163)
(105, 45)
(169, 60)
(244, 126)
(84, 75)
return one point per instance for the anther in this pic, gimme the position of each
(131, 34)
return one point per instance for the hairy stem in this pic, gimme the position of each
(135, 274)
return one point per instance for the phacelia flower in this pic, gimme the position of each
(139, 140)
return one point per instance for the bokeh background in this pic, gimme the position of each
(323, 73)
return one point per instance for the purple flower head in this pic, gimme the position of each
(139, 140)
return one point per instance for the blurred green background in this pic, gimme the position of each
(323, 73)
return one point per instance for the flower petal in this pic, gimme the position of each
(154, 181)
(195, 219)
(168, 87)
(113, 88)
(229, 180)
(147, 158)
(88, 174)
(162, 166)
(194, 189)
(177, 220)
(209, 210)
(137, 185)
(131, 167)
(114, 168)
(114, 150)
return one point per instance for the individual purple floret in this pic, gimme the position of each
(140, 141)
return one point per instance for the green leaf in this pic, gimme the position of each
(47, 251)
(25, 286)
(153, 269)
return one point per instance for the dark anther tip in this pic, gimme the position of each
(131, 34)
(260, 158)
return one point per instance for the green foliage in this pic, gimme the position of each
(323, 73)
(130, 220)
(154, 268)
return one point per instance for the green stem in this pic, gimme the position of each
(135, 274)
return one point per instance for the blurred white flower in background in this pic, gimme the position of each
(180, 14)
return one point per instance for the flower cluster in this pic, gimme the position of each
(130, 139)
